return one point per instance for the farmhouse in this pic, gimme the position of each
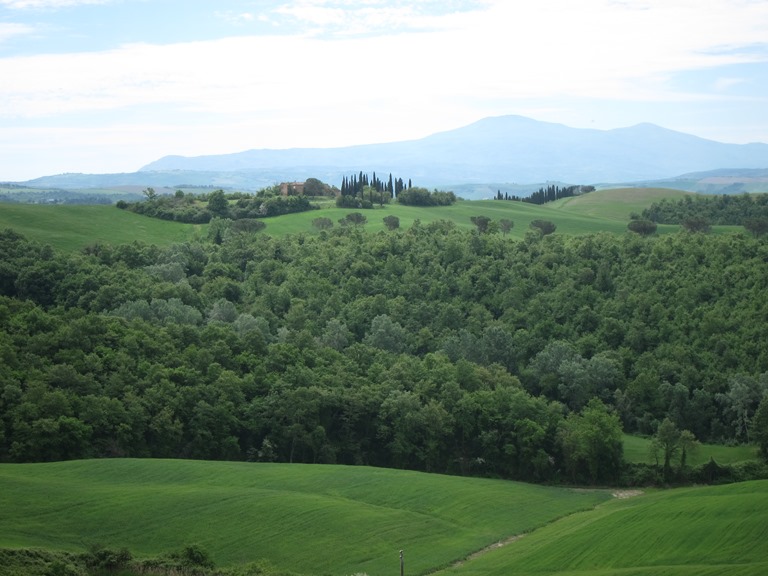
(292, 188)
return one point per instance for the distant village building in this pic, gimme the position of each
(292, 188)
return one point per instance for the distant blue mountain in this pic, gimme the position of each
(504, 149)
(511, 149)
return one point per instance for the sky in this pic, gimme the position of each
(101, 86)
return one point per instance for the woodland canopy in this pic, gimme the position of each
(429, 348)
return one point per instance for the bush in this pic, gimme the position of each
(100, 558)
(642, 227)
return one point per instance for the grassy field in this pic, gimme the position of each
(685, 532)
(616, 203)
(637, 449)
(74, 227)
(308, 519)
(343, 520)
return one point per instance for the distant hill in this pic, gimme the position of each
(505, 149)
(721, 181)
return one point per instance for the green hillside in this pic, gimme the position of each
(303, 518)
(693, 531)
(74, 227)
(345, 520)
(616, 203)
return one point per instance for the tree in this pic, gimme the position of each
(591, 443)
(314, 187)
(642, 227)
(217, 203)
(544, 227)
(760, 427)
(386, 334)
(696, 224)
(505, 225)
(757, 226)
(391, 222)
(668, 443)
(354, 218)
(150, 194)
(323, 223)
(481, 223)
(741, 400)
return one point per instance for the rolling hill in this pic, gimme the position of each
(74, 227)
(338, 520)
(303, 518)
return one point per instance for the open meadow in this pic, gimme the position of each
(637, 449)
(302, 518)
(698, 531)
(341, 520)
(75, 227)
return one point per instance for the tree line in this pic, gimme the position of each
(547, 194)
(202, 208)
(749, 210)
(430, 348)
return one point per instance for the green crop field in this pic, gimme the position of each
(303, 518)
(345, 520)
(692, 531)
(74, 227)
(637, 449)
(616, 203)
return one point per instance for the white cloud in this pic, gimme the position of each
(378, 71)
(10, 30)
(594, 48)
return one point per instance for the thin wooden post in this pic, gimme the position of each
(402, 564)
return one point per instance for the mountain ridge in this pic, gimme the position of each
(499, 149)
(506, 148)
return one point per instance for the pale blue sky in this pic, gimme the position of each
(110, 85)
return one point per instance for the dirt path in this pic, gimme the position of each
(620, 494)
(487, 549)
(623, 494)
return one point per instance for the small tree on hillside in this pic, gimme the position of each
(217, 203)
(391, 222)
(642, 227)
(671, 444)
(696, 224)
(322, 223)
(353, 218)
(757, 226)
(481, 223)
(545, 227)
(505, 225)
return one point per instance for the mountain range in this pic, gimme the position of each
(502, 149)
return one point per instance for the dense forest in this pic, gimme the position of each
(431, 348)
(749, 210)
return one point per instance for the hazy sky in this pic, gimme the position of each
(111, 85)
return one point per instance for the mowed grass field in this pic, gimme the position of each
(302, 518)
(637, 449)
(704, 531)
(75, 227)
(339, 520)
(617, 203)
